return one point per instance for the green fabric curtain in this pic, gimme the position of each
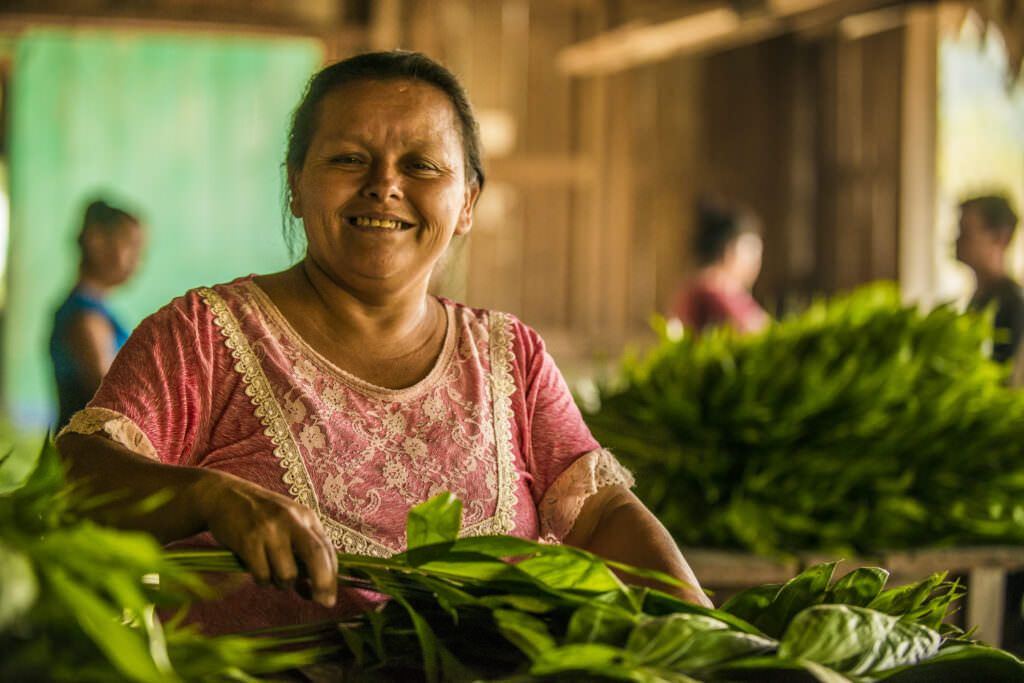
(189, 131)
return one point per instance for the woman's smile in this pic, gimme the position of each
(373, 222)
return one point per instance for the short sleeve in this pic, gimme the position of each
(564, 462)
(157, 397)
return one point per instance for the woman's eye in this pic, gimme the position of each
(422, 166)
(346, 159)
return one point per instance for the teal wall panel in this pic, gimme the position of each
(188, 131)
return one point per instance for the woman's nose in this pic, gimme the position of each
(383, 182)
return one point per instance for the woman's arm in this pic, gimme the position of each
(90, 341)
(266, 530)
(614, 524)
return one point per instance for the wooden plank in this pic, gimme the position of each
(955, 560)
(728, 569)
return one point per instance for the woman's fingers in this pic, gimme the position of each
(283, 570)
(272, 534)
(321, 564)
(254, 557)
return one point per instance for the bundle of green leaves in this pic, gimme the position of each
(860, 425)
(461, 611)
(75, 604)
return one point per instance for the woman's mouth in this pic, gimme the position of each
(368, 223)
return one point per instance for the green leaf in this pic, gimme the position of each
(907, 598)
(962, 663)
(804, 590)
(859, 587)
(775, 669)
(526, 632)
(751, 603)
(599, 622)
(690, 642)
(18, 585)
(435, 521)
(123, 647)
(855, 640)
(572, 569)
(578, 657)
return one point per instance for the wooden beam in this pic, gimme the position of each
(716, 27)
(638, 43)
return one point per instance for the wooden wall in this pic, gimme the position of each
(584, 226)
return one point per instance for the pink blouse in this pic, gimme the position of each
(700, 305)
(218, 378)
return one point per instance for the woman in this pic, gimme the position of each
(304, 412)
(86, 334)
(728, 248)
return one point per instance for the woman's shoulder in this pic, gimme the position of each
(523, 339)
(195, 306)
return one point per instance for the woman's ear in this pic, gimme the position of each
(466, 214)
(294, 199)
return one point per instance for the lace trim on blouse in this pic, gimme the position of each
(119, 428)
(565, 497)
(276, 426)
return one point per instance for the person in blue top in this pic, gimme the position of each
(86, 335)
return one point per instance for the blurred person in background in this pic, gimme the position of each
(300, 413)
(987, 225)
(728, 248)
(86, 335)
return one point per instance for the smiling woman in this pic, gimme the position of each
(304, 412)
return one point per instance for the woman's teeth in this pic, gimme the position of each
(377, 223)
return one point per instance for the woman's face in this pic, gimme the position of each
(383, 187)
(114, 254)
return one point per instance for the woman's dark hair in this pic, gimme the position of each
(102, 216)
(395, 64)
(718, 224)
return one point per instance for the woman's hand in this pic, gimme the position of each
(614, 524)
(268, 532)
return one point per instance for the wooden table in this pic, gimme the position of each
(984, 568)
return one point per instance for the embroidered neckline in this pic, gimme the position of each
(268, 409)
(436, 374)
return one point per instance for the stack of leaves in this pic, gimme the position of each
(861, 425)
(461, 611)
(74, 605)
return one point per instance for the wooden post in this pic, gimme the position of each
(986, 590)
(917, 248)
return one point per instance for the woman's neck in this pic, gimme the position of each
(92, 285)
(380, 324)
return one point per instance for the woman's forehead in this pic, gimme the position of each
(378, 106)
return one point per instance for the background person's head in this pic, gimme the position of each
(728, 238)
(330, 86)
(110, 241)
(987, 225)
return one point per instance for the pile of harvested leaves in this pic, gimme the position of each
(862, 425)
(460, 611)
(74, 606)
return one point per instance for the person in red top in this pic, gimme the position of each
(728, 249)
